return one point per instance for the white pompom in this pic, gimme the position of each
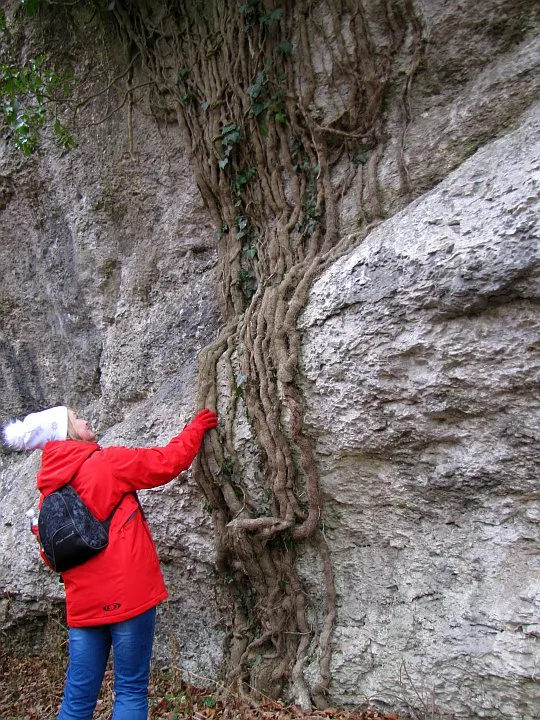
(37, 429)
(14, 435)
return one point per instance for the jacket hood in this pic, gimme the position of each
(60, 462)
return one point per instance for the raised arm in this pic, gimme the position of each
(143, 468)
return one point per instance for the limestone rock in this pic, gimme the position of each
(422, 368)
(108, 270)
(419, 358)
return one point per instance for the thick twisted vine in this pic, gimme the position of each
(247, 82)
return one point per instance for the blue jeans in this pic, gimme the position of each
(89, 649)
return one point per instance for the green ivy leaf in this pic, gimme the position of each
(257, 108)
(31, 6)
(360, 158)
(286, 47)
(272, 17)
(233, 137)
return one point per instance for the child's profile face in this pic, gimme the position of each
(81, 427)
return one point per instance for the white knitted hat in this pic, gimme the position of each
(37, 429)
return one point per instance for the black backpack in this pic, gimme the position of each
(69, 533)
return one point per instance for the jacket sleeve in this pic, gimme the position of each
(144, 468)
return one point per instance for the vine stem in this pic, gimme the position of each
(245, 83)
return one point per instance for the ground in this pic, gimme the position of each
(32, 690)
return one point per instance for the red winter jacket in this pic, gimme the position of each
(125, 579)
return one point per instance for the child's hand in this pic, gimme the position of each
(206, 419)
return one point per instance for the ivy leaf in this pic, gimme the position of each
(229, 128)
(257, 108)
(272, 17)
(254, 91)
(286, 47)
(360, 158)
(233, 137)
(223, 163)
(31, 6)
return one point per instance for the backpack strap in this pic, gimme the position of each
(72, 478)
(110, 516)
(106, 523)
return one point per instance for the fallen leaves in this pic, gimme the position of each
(32, 690)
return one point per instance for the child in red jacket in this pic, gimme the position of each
(111, 599)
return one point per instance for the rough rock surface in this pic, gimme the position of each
(419, 362)
(108, 271)
(422, 363)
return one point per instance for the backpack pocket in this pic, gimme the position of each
(68, 532)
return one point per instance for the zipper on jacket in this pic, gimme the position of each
(130, 518)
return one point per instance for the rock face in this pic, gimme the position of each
(422, 367)
(107, 295)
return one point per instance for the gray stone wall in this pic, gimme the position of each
(420, 367)
(107, 294)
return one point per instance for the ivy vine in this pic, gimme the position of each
(30, 93)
